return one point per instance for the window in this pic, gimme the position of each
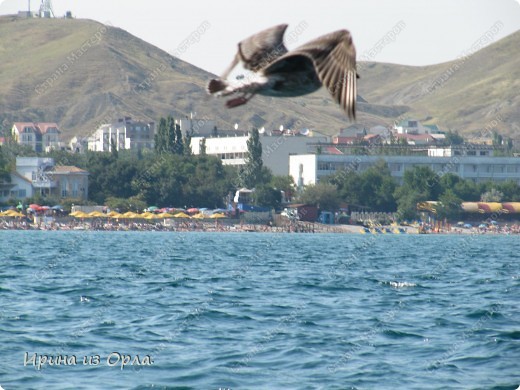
(22, 194)
(483, 153)
(472, 153)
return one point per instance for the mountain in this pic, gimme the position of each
(471, 94)
(80, 73)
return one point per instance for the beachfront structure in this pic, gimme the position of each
(125, 134)
(38, 175)
(40, 137)
(310, 168)
(276, 148)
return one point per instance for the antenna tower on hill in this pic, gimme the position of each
(46, 10)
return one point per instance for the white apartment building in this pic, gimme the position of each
(276, 149)
(310, 168)
(126, 133)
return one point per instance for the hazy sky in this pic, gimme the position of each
(412, 32)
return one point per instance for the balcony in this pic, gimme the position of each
(44, 183)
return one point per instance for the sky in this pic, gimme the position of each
(205, 32)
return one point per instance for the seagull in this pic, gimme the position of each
(328, 61)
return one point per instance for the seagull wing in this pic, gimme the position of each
(261, 49)
(334, 58)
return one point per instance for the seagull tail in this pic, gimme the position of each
(215, 86)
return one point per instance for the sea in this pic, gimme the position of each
(196, 310)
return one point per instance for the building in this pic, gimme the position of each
(461, 150)
(276, 149)
(125, 133)
(310, 168)
(198, 126)
(40, 137)
(412, 126)
(41, 176)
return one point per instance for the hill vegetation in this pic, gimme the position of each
(80, 73)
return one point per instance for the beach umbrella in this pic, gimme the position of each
(114, 214)
(129, 214)
(152, 208)
(199, 216)
(97, 214)
(181, 215)
(13, 213)
(193, 210)
(57, 207)
(35, 207)
(468, 225)
(165, 215)
(218, 215)
(80, 214)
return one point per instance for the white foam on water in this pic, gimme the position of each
(402, 284)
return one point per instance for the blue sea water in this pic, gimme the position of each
(258, 311)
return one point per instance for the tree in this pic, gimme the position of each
(179, 142)
(510, 191)
(285, 184)
(160, 138)
(449, 206)
(4, 166)
(252, 173)
(324, 195)
(202, 146)
(268, 196)
(419, 184)
(113, 148)
(493, 195)
(453, 138)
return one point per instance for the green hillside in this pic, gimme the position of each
(80, 73)
(470, 95)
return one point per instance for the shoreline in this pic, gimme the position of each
(232, 227)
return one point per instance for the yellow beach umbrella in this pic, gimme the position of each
(218, 215)
(181, 215)
(97, 214)
(80, 214)
(165, 215)
(148, 216)
(129, 214)
(12, 213)
(199, 216)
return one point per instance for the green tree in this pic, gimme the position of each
(179, 142)
(4, 166)
(324, 195)
(202, 146)
(285, 184)
(113, 148)
(267, 196)
(171, 136)
(449, 206)
(453, 138)
(510, 191)
(161, 137)
(493, 195)
(419, 184)
(252, 173)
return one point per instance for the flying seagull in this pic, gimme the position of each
(329, 61)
